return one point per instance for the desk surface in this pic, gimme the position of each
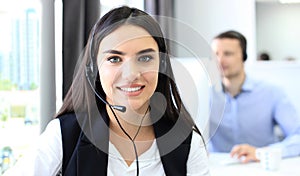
(221, 165)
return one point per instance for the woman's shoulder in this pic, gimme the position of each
(62, 126)
(68, 116)
(198, 158)
(68, 120)
(197, 139)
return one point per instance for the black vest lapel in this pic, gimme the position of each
(70, 131)
(90, 160)
(173, 157)
(81, 157)
(92, 156)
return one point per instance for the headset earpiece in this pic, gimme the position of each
(236, 35)
(244, 56)
(163, 63)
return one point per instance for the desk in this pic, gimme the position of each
(288, 167)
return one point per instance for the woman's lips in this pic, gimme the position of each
(132, 90)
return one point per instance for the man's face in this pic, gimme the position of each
(230, 56)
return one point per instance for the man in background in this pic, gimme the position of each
(253, 108)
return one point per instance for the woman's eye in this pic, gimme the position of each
(114, 59)
(145, 58)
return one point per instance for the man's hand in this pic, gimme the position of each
(244, 152)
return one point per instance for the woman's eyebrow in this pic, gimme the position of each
(146, 51)
(114, 52)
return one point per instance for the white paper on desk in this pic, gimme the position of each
(223, 159)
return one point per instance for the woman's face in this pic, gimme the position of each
(128, 63)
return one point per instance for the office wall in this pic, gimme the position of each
(210, 17)
(278, 30)
(195, 86)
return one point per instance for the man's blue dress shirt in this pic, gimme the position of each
(250, 118)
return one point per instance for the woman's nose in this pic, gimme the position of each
(130, 71)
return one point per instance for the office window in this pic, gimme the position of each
(19, 78)
(20, 70)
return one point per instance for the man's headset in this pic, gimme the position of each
(243, 42)
(240, 37)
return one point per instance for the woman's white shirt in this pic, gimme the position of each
(45, 158)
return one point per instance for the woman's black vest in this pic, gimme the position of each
(82, 158)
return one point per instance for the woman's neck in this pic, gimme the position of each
(131, 122)
(141, 134)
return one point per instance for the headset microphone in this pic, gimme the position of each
(116, 107)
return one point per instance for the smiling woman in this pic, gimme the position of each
(125, 64)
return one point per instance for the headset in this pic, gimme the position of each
(91, 74)
(240, 37)
(243, 42)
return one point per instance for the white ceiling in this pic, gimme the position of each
(266, 0)
(279, 1)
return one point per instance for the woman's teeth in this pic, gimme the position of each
(131, 89)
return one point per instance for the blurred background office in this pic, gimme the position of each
(41, 39)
